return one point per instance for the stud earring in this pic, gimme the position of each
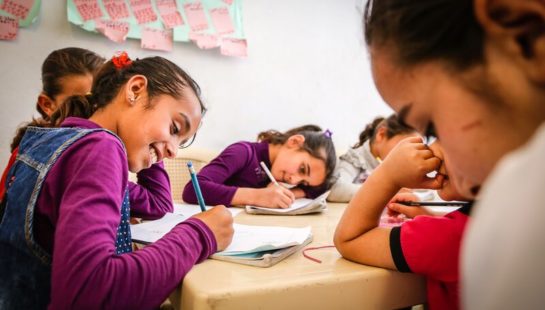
(131, 100)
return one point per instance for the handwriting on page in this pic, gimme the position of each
(88, 9)
(18, 8)
(155, 39)
(234, 47)
(8, 28)
(222, 21)
(195, 16)
(117, 9)
(142, 11)
(169, 13)
(204, 41)
(114, 30)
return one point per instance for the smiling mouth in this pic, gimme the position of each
(154, 157)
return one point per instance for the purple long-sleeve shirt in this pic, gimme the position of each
(237, 166)
(79, 210)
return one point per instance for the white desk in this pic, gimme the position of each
(297, 282)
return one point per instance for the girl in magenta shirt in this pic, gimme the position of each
(72, 250)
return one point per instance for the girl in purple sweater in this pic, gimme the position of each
(64, 235)
(303, 158)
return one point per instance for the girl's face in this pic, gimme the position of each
(295, 166)
(70, 85)
(383, 145)
(153, 133)
(475, 131)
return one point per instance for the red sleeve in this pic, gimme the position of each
(151, 197)
(6, 170)
(429, 245)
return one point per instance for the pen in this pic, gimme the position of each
(434, 203)
(269, 174)
(196, 186)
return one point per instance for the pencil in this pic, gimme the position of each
(269, 174)
(434, 203)
(196, 186)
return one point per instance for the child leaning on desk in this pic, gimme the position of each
(67, 72)
(375, 142)
(303, 158)
(427, 245)
(64, 236)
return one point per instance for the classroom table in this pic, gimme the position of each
(297, 282)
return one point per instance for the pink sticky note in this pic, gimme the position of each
(204, 41)
(88, 9)
(117, 9)
(18, 8)
(234, 47)
(143, 11)
(195, 16)
(169, 13)
(228, 1)
(172, 19)
(155, 39)
(8, 28)
(222, 20)
(114, 30)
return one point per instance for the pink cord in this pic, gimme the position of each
(315, 248)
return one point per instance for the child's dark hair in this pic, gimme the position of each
(65, 62)
(57, 65)
(393, 128)
(316, 144)
(164, 78)
(426, 30)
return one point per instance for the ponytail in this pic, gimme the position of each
(393, 128)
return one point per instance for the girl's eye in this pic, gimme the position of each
(430, 134)
(302, 169)
(174, 129)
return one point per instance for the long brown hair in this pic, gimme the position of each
(57, 65)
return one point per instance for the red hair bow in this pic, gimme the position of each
(121, 60)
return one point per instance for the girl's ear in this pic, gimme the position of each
(295, 141)
(518, 28)
(47, 104)
(135, 88)
(380, 134)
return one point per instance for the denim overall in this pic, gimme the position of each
(25, 267)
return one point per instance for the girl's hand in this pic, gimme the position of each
(220, 221)
(397, 210)
(275, 197)
(408, 164)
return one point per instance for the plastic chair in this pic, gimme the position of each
(177, 168)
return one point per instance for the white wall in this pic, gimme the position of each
(307, 64)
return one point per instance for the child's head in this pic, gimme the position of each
(306, 155)
(150, 103)
(383, 134)
(469, 72)
(66, 72)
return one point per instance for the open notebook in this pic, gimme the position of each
(261, 246)
(299, 206)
